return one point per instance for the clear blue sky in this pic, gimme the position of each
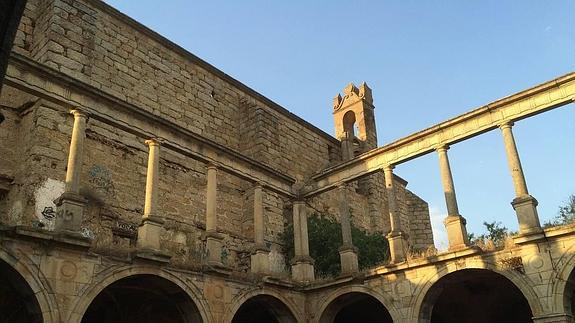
(426, 61)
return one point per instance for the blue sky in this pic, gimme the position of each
(426, 61)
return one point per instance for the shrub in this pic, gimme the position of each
(325, 239)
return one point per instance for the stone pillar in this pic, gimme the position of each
(454, 222)
(396, 237)
(260, 263)
(151, 227)
(347, 252)
(214, 240)
(302, 264)
(70, 205)
(524, 204)
(347, 146)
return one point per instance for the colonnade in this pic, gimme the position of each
(71, 206)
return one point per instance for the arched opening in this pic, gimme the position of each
(349, 124)
(351, 132)
(263, 309)
(475, 296)
(142, 299)
(569, 294)
(17, 300)
(355, 307)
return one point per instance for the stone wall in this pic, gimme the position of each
(99, 46)
(102, 49)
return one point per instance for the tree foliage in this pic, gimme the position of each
(566, 214)
(496, 233)
(325, 239)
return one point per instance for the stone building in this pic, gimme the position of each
(138, 183)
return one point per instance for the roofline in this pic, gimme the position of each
(195, 59)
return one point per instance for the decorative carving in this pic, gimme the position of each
(512, 263)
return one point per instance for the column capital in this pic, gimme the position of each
(211, 166)
(259, 185)
(78, 113)
(299, 202)
(389, 168)
(153, 142)
(506, 125)
(442, 148)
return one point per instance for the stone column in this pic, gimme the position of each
(151, 227)
(70, 205)
(396, 237)
(302, 264)
(213, 238)
(525, 205)
(454, 222)
(260, 256)
(347, 252)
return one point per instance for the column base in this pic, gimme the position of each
(214, 243)
(302, 269)
(348, 258)
(397, 246)
(260, 261)
(526, 209)
(456, 232)
(69, 213)
(149, 233)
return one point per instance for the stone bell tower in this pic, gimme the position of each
(354, 120)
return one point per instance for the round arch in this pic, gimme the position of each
(562, 290)
(284, 309)
(92, 292)
(330, 306)
(349, 123)
(474, 295)
(519, 281)
(47, 306)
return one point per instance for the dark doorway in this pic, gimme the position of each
(569, 294)
(142, 299)
(475, 296)
(17, 301)
(263, 309)
(354, 308)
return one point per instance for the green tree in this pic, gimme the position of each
(496, 233)
(566, 214)
(325, 240)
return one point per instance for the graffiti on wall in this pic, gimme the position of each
(45, 194)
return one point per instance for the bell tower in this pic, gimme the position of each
(354, 120)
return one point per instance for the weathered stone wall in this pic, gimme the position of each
(96, 45)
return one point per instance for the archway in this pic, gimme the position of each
(17, 300)
(355, 307)
(263, 309)
(474, 296)
(349, 124)
(142, 298)
(569, 294)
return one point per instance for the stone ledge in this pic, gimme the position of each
(152, 255)
(71, 239)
